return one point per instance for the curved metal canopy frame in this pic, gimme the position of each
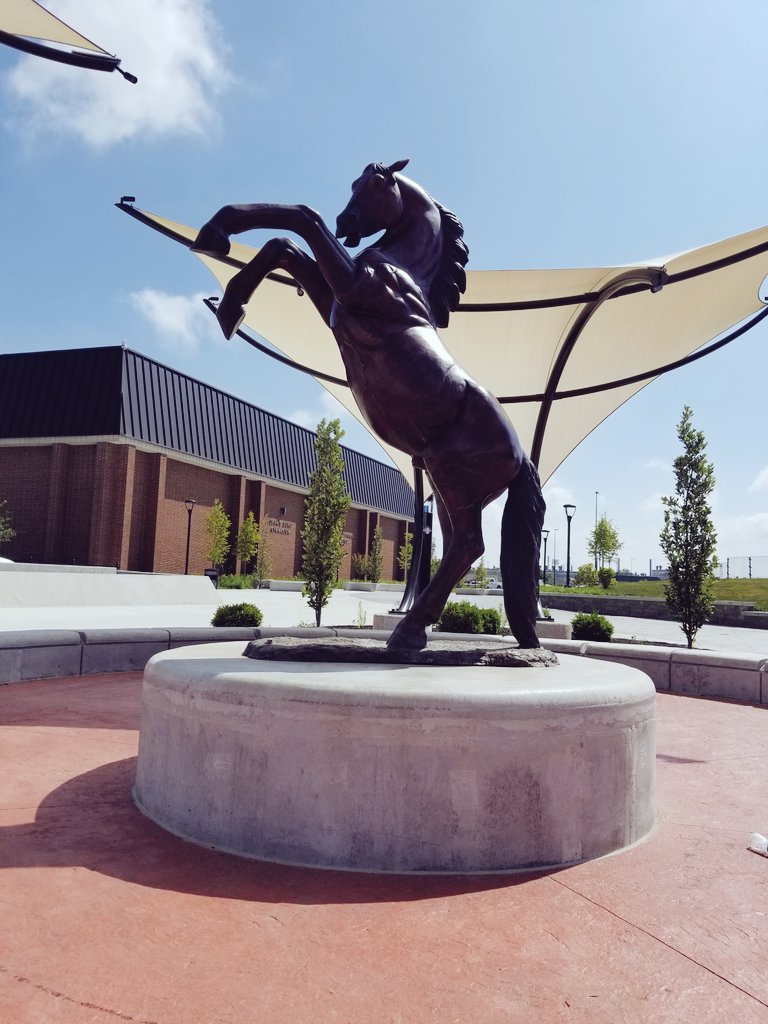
(628, 283)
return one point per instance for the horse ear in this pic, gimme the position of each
(398, 165)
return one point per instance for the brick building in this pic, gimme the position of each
(101, 447)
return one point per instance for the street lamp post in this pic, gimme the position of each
(544, 536)
(189, 504)
(569, 510)
(595, 537)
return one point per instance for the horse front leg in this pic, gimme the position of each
(335, 263)
(276, 254)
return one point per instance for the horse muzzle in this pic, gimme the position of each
(348, 228)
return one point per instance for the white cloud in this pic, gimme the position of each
(175, 49)
(556, 495)
(653, 503)
(181, 322)
(327, 409)
(661, 464)
(760, 483)
(742, 535)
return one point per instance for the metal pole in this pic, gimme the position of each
(189, 504)
(544, 537)
(595, 537)
(569, 510)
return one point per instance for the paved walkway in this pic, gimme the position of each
(106, 918)
(346, 607)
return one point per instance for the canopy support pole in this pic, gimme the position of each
(652, 277)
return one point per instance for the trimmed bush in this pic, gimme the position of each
(465, 617)
(491, 621)
(461, 617)
(233, 582)
(586, 576)
(607, 577)
(243, 614)
(591, 626)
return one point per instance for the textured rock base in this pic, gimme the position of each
(353, 650)
(397, 768)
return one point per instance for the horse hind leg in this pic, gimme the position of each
(521, 525)
(463, 526)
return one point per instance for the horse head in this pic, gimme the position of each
(376, 204)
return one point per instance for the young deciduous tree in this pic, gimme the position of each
(217, 527)
(7, 532)
(262, 567)
(688, 538)
(481, 574)
(247, 541)
(326, 512)
(604, 543)
(376, 556)
(405, 554)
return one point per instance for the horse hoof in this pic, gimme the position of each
(211, 241)
(230, 317)
(408, 639)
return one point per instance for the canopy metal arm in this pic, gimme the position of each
(651, 277)
(90, 61)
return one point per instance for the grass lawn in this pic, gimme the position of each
(754, 591)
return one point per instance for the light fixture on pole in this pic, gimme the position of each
(189, 504)
(544, 536)
(569, 510)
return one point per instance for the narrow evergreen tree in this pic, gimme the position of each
(325, 515)
(217, 526)
(688, 538)
(247, 540)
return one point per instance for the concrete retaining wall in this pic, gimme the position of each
(57, 586)
(726, 613)
(49, 653)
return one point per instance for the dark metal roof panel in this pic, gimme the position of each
(68, 393)
(98, 391)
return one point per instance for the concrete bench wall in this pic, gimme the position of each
(40, 654)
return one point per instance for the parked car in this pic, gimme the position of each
(494, 584)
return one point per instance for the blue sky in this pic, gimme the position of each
(562, 134)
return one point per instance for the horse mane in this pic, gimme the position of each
(450, 280)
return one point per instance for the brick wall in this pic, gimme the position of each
(113, 504)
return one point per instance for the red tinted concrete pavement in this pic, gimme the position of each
(104, 918)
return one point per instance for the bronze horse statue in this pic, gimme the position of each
(384, 306)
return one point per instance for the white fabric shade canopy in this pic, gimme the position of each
(537, 335)
(22, 21)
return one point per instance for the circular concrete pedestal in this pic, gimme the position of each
(397, 768)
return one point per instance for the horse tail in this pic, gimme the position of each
(521, 525)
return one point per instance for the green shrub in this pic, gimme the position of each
(491, 621)
(243, 614)
(361, 566)
(465, 617)
(591, 626)
(586, 576)
(461, 617)
(233, 582)
(606, 576)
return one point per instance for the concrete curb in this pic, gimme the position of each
(53, 653)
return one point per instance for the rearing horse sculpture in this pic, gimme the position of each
(383, 306)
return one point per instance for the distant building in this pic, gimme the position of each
(100, 448)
